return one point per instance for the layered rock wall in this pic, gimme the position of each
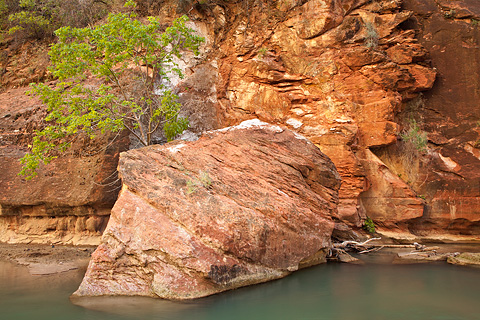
(338, 72)
(349, 75)
(355, 77)
(70, 200)
(449, 175)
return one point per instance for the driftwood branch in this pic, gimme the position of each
(366, 246)
(374, 249)
(353, 244)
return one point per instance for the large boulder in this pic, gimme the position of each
(240, 206)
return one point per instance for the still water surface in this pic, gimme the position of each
(333, 291)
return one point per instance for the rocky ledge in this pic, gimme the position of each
(69, 201)
(239, 206)
(466, 259)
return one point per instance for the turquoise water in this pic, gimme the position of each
(333, 291)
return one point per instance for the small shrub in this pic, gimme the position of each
(191, 187)
(416, 137)
(34, 21)
(371, 37)
(262, 52)
(369, 225)
(205, 179)
(3, 11)
(40, 18)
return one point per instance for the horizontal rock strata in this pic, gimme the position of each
(70, 199)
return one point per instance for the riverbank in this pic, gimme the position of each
(385, 252)
(51, 259)
(46, 259)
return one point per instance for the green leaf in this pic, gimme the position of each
(107, 83)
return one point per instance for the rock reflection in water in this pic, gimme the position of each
(331, 292)
(135, 307)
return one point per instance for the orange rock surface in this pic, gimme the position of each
(353, 77)
(337, 72)
(70, 200)
(241, 205)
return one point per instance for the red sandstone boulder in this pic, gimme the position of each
(242, 205)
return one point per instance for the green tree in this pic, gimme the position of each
(132, 63)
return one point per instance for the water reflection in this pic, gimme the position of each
(135, 307)
(335, 291)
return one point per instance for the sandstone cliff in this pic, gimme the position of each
(69, 201)
(353, 76)
(349, 75)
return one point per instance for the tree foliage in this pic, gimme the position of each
(39, 18)
(132, 63)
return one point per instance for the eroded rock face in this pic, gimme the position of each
(447, 176)
(70, 199)
(337, 72)
(348, 76)
(242, 205)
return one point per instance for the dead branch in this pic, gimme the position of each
(374, 249)
(366, 246)
(350, 244)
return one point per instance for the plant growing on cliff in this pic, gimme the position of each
(205, 179)
(262, 52)
(39, 18)
(111, 77)
(371, 36)
(369, 225)
(416, 137)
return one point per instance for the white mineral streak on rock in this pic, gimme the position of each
(294, 123)
(300, 137)
(342, 120)
(253, 123)
(449, 163)
(176, 148)
(298, 111)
